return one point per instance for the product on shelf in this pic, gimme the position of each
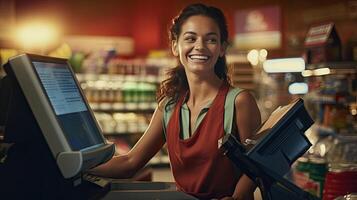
(331, 96)
(339, 182)
(309, 174)
(323, 44)
(122, 123)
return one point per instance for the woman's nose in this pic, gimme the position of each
(199, 44)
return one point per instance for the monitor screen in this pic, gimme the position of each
(68, 104)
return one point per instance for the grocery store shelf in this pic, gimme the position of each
(331, 99)
(142, 107)
(344, 67)
(118, 77)
(243, 70)
(324, 130)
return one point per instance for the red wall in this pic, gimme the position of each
(147, 21)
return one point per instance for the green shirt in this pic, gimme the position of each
(185, 114)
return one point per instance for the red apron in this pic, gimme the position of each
(198, 167)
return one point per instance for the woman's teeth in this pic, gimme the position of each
(198, 57)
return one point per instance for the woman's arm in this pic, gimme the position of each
(248, 120)
(125, 166)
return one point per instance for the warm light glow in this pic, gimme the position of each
(321, 71)
(284, 65)
(263, 53)
(63, 51)
(298, 88)
(354, 111)
(322, 150)
(307, 73)
(316, 72)
(353, 108)
(253, 57)
(5, 54)
(37, 35)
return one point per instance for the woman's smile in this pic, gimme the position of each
(198, 58)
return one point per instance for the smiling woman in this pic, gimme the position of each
(195, 89)
(199, 46)
(197, 107)
(212, 22)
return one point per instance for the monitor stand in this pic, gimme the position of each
(29, 170)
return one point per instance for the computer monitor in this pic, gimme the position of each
(278, 143)
(281, 138)
(61, 112)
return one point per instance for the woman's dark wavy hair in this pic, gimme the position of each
(176, 83)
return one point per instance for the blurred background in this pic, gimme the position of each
(279, 50)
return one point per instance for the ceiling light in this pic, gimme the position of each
(283, 65)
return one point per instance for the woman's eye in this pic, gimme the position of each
(212, 40)
(189, 39)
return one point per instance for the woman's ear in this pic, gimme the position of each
(223, 49)
(174, 48)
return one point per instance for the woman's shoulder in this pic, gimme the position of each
(166, 104)
(233, 92)
(240, 96)
(244, 97)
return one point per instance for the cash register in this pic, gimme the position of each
(267, 156)
(52, 138)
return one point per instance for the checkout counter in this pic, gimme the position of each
(53, 140)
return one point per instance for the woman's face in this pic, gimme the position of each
(199, 44)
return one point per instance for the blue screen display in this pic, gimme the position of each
(67, 102)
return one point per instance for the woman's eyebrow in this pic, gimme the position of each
(212, 33)
(190, 33)
(193, 33)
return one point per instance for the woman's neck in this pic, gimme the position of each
(203, 90)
